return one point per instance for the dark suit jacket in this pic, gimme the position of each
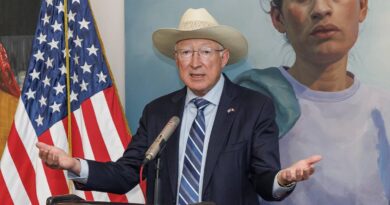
(242, 157)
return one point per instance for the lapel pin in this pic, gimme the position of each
(230, 110)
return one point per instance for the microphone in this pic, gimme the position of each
(161, 139)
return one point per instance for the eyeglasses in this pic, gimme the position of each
(204, 53)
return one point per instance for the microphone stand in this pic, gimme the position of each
(157, 183)
(157, 179)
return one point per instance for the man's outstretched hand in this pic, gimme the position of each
(57, 158)
(299, 171)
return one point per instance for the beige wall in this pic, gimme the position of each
(109, 16)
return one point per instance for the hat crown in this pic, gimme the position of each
(194, 19)
(199, 24)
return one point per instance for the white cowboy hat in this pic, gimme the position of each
(198, 23)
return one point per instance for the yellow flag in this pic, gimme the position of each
(8, 105)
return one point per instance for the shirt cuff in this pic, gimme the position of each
(279, 191)
(84, 171)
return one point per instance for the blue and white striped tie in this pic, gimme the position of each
(189, 183)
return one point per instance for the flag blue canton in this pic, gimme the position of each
(44, 92)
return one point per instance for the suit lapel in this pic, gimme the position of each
(219, 134)
(172, 148)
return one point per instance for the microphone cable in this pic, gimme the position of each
(142, 183)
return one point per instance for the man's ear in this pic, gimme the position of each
(363, 10)
(277, 19)
(225, 57)
(176, 61)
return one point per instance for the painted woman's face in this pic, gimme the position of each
(320, 30)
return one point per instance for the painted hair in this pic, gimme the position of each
(266, 5)
(277, 3)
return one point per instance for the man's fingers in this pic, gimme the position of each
(42, 145)
(311, 170)
(51, 155)
(298, 174)
(301, 170)
(43, 154)
(313, 159)
(288, 175)
(306, 174)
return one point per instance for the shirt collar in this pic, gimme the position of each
(213, 96)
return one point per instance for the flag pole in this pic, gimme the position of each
(69, 133)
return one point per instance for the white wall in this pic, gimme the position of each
(109, 17)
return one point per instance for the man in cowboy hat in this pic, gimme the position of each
(226, 149)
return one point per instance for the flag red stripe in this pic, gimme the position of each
(99, 149)
(23, 164)
(117, 197)
(97, 143)
(117, 115)
(4, 193)
(77, 143)
(88, 195)
(55, 178)
(77, 147)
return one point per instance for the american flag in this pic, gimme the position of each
(98, 128)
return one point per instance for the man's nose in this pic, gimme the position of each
(195, 59)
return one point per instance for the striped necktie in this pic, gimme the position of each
(189, 183)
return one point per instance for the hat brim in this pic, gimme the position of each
(165, 39)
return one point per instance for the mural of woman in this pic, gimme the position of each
(332, 112)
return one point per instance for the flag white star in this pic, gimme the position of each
(83, 86)
(35, 74)
(59, 88)
(62, 69)
(101, 77)
(78, 41)
(42, 101)
(74, 1)
(75, 78)
(39, 55)
(76, 59)
(49, 62)
(53, 44)
(41, 38)
(56, 26)
(46, 82)
(60, 8)
(84, 24)
(39, 120)
(55, 107)
(71, 16)
(46, 19)
(73, 96)
(63, 51)
(92, 50)
(86, 68)
(30, 94)
(70, 33)
(49, 2)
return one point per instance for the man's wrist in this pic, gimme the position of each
(76, 169)
(282, 183)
